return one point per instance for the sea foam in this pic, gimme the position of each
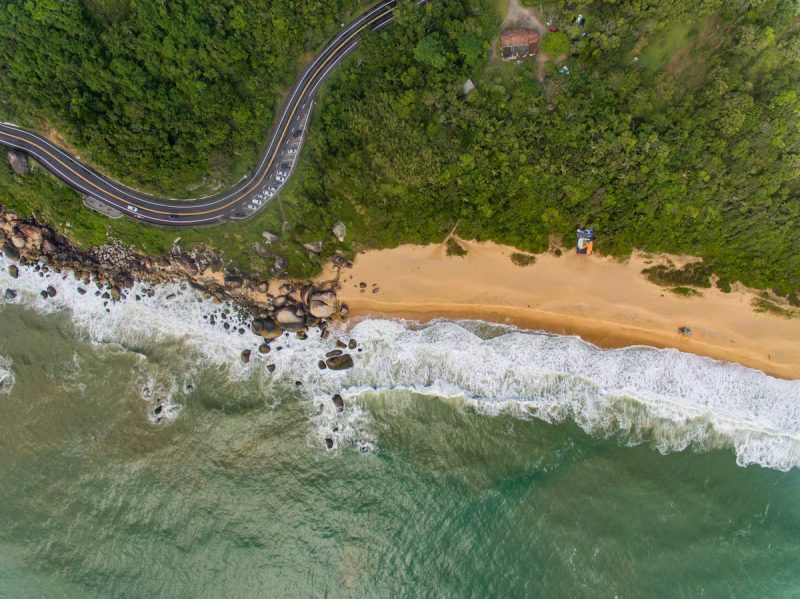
(670, 399)
(7, 378)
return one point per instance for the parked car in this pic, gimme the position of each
(291, 151)
(285, 166)
(280, 179)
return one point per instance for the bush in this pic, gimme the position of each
(696, 274)
(523, 259)
(454, 249)
(555, 43)
(686, 292)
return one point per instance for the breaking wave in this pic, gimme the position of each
(669, 399)
(7, 378)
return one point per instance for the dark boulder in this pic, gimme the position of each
(322, 365)
(13, 271)
(339, 362)
(263, 348)
(51, 291)
(267, 328)
(246, 356)
(10, 294)
(339, 403)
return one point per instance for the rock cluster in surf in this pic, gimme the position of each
(294, 307)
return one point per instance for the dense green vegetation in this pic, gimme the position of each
(166, 95)
(677, 129)
(521, 259)
(694, 150)
(695, 274)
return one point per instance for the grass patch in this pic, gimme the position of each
(696, 274)
(686, 292)
(455, 249)
(523, 259)
(764, 305)
(555, 44)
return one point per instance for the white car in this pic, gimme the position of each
(270, 194)
(280, 178)
(257, 202)
(292, 151)
(282, 173)
(133, 209)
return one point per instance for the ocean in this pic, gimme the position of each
(141, 457)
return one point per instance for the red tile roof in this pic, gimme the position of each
(520, 37)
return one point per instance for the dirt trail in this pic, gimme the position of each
(521, 16)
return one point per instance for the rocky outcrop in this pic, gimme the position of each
(18, 161)
(322, 305)
(339, 231)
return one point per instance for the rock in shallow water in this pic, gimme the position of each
(340, 362)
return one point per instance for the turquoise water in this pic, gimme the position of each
(432, 489)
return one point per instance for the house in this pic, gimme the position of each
(519, 43)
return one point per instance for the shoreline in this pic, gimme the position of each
(603, 301)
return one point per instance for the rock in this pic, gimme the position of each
(302, 335)
(271, 367)
(340, 343)
(82, 291)
(10, 294)
(18, 161)
(322, 305)
(321, 365)
(18, 242)
(325, 334)
(51, 291)
(340, 362)
(328, 442)
(263, 348)
(269, 237)
(115, 293)
(339, 403)
(267, 328)
(339, 231)
(13, 270)
(280, 301)
(288, 318)
(43, 293)
(305, 292)
(171, 296)
(352, 344)
(344, 310)
(31, 233)
(11, 252)
(334, 352)
(262, 287)
(233, 281)
(314, 248)
(246, 356)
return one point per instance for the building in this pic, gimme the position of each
(519, 43)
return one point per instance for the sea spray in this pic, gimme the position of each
(7, 378)
(664, 397)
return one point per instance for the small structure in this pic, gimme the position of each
(519, 43)
(585, 243)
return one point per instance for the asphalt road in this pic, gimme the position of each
(247, 196)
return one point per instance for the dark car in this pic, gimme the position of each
(174, 217)
(285, 165)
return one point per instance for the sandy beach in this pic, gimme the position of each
(603, 300)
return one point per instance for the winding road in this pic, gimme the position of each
(247, 196)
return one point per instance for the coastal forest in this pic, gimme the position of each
(668, 126)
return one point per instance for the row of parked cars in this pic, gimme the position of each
(279, 178)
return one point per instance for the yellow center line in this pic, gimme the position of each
(269, 164)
